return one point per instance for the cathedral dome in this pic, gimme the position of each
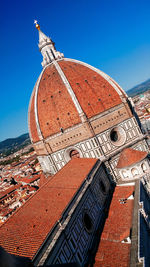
(66, 92)
(75, 110)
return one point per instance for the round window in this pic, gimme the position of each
(87, 222)
(74, 154)
(118, 136)
(114, 136)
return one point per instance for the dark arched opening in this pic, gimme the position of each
(74, 154)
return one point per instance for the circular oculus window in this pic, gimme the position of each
(72, 152)
(118, 136)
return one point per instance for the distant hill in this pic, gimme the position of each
(12, 145)
(139, 89)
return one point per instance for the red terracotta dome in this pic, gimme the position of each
(52, 107)
(66, 92)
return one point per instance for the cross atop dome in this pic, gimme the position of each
(47, 47)
(36, 24)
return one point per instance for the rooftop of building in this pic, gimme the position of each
(25, 231)
(114, 247)
(8, 191)
(130, 157)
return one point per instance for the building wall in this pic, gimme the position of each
(100, 146)
(139, 145)
(129, 131)
(83, 131)
(77, 240)
(87, 149)
(135, 171)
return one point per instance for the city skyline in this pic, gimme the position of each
(111, 36)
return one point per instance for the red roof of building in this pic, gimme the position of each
(129, 157)
(111, 252)
(55, 107)
(25, 231)
(9, 190)
(30, 180)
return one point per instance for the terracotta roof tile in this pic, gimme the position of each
(129, 157)
(55, 107)
(111, 252)
(24, 232)
(94, 93)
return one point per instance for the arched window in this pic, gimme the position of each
(102, 187)
(143, 166)
(74, 154)
(87, 221)
(134, 172)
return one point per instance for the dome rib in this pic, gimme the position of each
(36, 107)
(31, 120)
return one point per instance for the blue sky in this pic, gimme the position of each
(111, 35)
